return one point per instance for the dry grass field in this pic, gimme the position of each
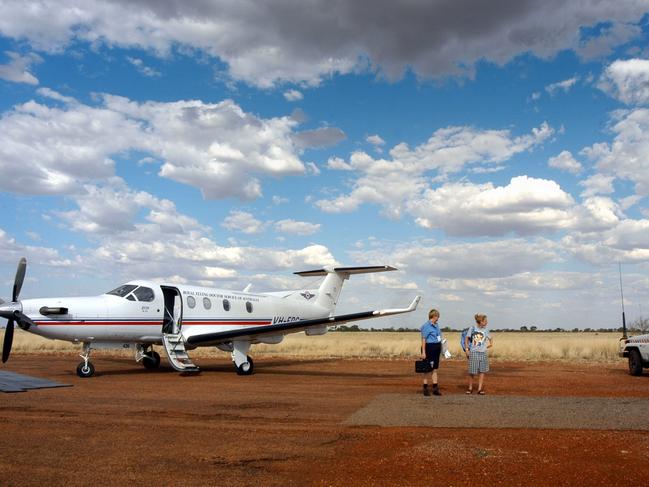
(538, 346)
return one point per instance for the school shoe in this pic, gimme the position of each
(426, 391)
(436, 391)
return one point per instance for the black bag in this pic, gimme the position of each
(423, 366)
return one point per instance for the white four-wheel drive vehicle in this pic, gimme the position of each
(637, 350)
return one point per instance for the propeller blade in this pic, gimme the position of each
(23, 320)
(20, 277)
(8, 315)
(8, 341)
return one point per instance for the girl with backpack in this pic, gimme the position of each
(477, 342)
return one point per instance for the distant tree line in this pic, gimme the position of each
(641, 327)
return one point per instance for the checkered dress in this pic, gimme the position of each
(478, 362)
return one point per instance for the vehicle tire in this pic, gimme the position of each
(635, 362)
(84, 370)
(246, 368)
(151, 360)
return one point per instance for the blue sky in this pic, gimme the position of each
(501, 165)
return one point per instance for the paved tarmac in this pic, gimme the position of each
(493, 411)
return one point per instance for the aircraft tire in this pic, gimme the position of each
(84, 371)
(246, 368)
(635, 362)
(151, 360)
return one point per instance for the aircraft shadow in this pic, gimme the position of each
(273, 367)
(315, 373)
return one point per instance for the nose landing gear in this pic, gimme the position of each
(85, 368)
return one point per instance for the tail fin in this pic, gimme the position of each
(329, 290)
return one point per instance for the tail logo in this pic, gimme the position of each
(307, 295)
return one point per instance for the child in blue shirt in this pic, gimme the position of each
(431, 347)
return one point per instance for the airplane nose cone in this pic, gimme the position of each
(7, 309)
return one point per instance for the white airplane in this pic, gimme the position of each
(140, 314)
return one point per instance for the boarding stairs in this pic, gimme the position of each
(177, 354)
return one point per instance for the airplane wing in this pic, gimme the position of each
(294, 326)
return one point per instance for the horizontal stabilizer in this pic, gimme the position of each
(346, 270)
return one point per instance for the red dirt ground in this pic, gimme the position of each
(283, 426)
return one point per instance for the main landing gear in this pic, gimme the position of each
(243, 362)
(149, 357)
(151, 360)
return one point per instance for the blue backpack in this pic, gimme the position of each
(463, 336)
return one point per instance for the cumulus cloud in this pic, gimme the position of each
(293, 95)
(279, 200)
(297, 227)
(628, 241)
(112, 209)
(244, 222)
(11, 251)
(626, 156)
(55, 95)
(375, 140)
(525, 206)
(597, 184)
(266, 44)
(147, 252)
(524, 282)
(630, 235)
(564, 85)
(17, 69)
(596, 214)
(565, 162)
(628, 81)
(142, 68)
(137, 235)
(216, 147)
(391, 182)
(467, 260)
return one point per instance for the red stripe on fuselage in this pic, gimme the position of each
(97, 323)
(148, 323)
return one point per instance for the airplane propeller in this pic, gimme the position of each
(13, 311)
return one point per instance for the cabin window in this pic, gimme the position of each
(122, 290)
(191, 302)
(207, 304)
(248, 306)
(226, 305)
(130, 297)
(144, 294)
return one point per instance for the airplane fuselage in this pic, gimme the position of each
(140, 319)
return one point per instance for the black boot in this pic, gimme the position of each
(426, 391)
(436, 391)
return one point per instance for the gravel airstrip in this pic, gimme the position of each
(323, 422)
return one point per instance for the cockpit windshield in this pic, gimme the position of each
(134, 293)
(122, 290)
(144, 294)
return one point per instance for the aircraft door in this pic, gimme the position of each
(173, 310)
